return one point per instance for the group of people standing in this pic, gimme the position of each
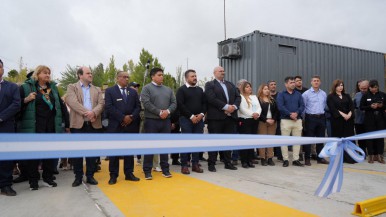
(225, 107)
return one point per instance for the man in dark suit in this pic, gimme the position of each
(122, 108)
(223, 101)
(9, 106)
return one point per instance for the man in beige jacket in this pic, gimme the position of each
(86, 103)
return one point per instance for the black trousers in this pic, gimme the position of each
(225, 126)
(128, 161)
(156, 126)
(374, 122)
(314, 127)
(247, 126)
(90, 161)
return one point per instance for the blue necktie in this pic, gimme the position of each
(124, 94)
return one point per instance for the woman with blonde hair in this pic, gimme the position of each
(267, 121)
(248, 114)
(42, 111)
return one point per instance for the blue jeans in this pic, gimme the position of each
(188, 127)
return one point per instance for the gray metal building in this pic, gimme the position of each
(259, 57)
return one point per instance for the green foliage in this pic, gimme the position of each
(13, 73)
(111, 72)
(17, 77)
(98, 74)
(69, 76)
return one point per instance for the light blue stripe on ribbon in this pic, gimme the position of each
(40, 146)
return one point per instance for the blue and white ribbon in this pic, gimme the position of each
(39, 146)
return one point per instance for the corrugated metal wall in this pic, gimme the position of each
(267, 56)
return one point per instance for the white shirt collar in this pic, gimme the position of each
(155, 84)
(188, 85)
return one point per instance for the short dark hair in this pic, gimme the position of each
(298, 76)
(1, 62)
(79, 72)
(315, 76)
(286, 79)
(373, 83)
(154, 71)
(189, 71)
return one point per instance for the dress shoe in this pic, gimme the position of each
(176, 162)
(49, 183)
(244, 165)
(20, 179)
(251, 165)
(323, 161)
(234, 162)
(185, 170)
(297, 163)
(307, 162)
(270, 162)
(212, 168)
(285, 163)
(230, 167)
(92, 181)
(77, 182)
(148, 176)
(113, 180)
(196, 168)
(8, 191)
(131, 177)
(264, 162)
(166, 174)
(33, 186)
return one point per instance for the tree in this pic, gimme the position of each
(138, 70)
(111, 72)
(98, 74)
(180, 77)
(13, 73)
(69, 76)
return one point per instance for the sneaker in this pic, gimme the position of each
(49, 183)
(157, 169)
(166, 174)
(34, 186)
(148, 176)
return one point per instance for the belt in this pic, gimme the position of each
(315, 115)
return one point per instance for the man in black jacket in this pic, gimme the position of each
(9, 105)
(223, 102)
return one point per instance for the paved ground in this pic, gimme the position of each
(293, 187)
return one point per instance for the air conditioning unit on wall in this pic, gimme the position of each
(229, 49)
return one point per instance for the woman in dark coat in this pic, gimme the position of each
(342, 110)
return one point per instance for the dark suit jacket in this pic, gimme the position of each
(216, 99)
(117, 108)
(9, 106)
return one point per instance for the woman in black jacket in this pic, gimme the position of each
(267, 121)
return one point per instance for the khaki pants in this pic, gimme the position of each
(295, 128)
(266, 129)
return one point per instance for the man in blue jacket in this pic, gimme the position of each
(122, 108)
(9, 106)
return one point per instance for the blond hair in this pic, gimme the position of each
(39, 70)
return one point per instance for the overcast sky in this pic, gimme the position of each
(60, 32)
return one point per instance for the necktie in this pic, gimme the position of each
(124, 94)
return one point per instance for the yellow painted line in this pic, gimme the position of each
(184, 196)
(370, 172)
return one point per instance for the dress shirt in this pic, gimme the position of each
(86, 96)
(314, 101)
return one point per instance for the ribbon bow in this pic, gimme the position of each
(332, 180)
